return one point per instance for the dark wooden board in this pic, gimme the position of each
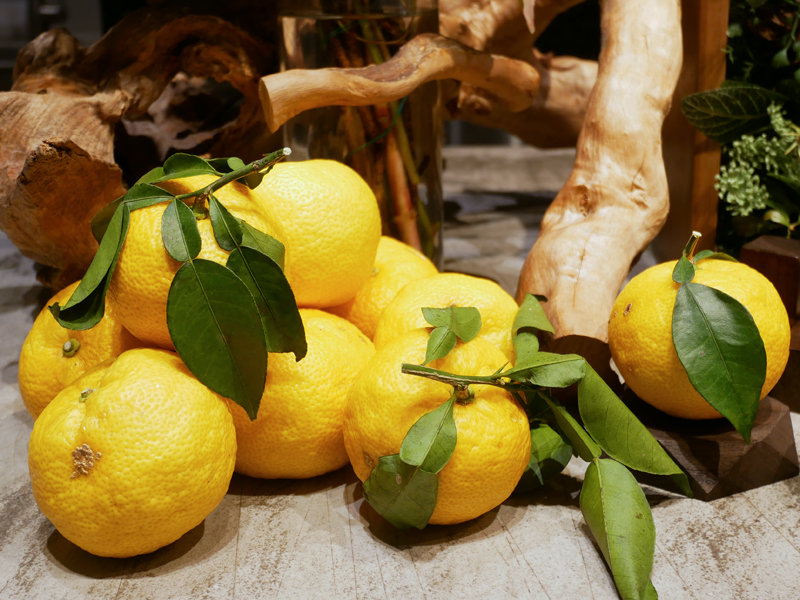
(716, 458)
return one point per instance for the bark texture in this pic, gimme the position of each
(615, 200)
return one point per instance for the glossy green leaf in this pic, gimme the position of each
(703, 254)
(216, 328)
(725, 114)
(152, 175)
(185, 165)
(550, 453)
(227, 230)
(402, 494)
(274, 298)
(253, 180)
(619, 517)
(139, 196)
(179, 232)
(683, 271)
(431, 441)
(86, 306)
(530, 318)
(464, 321)
(583, 444)
(253, 238)
(531, 315)
(441, 341)
(720, 347)
(535, 405)
(549, 370)
(620, 434)
(235, 163)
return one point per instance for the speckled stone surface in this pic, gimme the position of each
(318, 539)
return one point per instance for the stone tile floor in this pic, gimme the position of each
(318, 539)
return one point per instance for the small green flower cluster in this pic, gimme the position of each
(740, 183)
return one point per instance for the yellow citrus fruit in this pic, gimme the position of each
(404, 313)
(396, 265)
(131, 455)
(298, 432)
(493, 436)
(640, 332)
(141, 281)
(53, 356)
(332, 225)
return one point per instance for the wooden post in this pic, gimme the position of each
(690, 158)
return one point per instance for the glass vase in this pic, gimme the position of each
(395, 147)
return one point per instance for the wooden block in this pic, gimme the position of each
(778, 259)
(714, 455)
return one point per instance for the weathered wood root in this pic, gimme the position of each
(57, 124)
(615, 201)
(426, 58)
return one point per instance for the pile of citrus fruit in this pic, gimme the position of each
(129, 451)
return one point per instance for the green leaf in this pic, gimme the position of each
(431, 441)
(531, 315)
(584, 445)
(254, 179)
(464, 321)
(549, 370)
(234, 163)
(215, 326)
(725, 114)
(179, 232)
(720, 347)
(616, 510)
(683, 271)
(529, 319)
(550, 453)
(152, 175)
(185, 165)
(703, 254)
(274, 298)
(790, 181)
(227, 230)
(253, 238)
(402, 494)
(620, 434)
(781, 59)
(86, 306)
(139, 196)
(535, 405)
(441, 341)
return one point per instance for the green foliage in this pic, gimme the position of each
(404, 487)
(450, 323)
(758, 183)
(718, 344)
(221, 319)
(616, 510)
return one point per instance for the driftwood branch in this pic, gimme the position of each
(58, 122)
(426, 58)
(615, 201)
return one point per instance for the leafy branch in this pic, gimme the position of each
(222, 319)
(403, 487)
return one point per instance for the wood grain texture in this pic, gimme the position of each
(691, 159)
(427, 57)
(715, 457)
(615, 201)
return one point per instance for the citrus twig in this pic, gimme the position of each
(463, 381)
(267, 161)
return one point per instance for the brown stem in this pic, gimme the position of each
(406, 216)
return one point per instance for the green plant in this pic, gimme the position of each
(753, 116)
